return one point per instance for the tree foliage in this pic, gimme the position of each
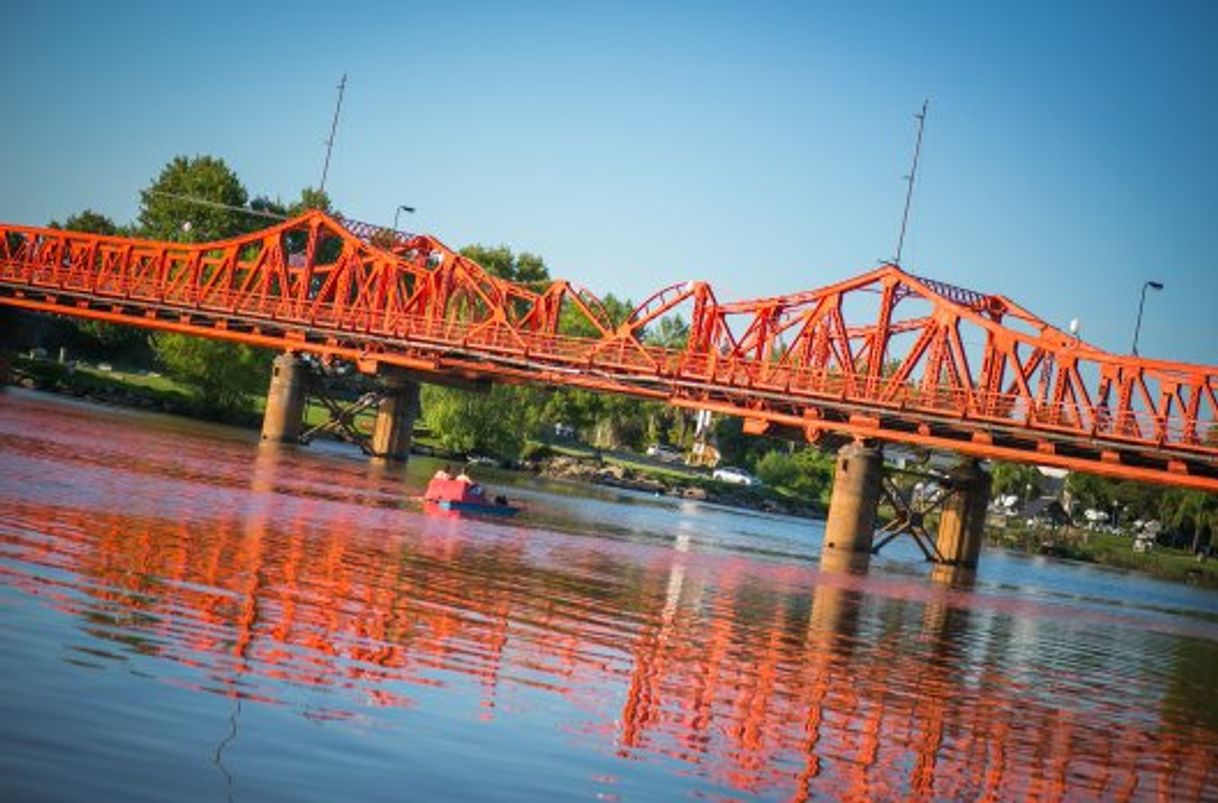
(671, 332)
(1189, 512)
(804, 472)
(1016, 479)
(169, 208)
(496, 422)
(223, 376)
(310, 198)
(500, 261)
(87, 221)
(1194, 512)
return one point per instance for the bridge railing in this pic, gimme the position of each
(1144, 427)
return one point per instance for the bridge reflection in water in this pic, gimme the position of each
(758, 676)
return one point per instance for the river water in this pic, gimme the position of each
(188, 615)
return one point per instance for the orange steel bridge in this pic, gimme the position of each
(886, 355)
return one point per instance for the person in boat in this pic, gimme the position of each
(443, 474)
(474, 488)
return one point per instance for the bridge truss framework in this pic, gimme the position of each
(885, 356)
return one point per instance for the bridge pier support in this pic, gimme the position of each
(285, 400)
(962, 524)
(395, 416)
(8, 334)
(852, 506)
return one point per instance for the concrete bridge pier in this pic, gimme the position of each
(285, 400)
(395, 417)
(852, 506)
(962, 524)
(8, 333)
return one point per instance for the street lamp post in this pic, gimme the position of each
(402, 208)
(1138, 326)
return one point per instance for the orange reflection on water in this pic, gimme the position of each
(763, 678)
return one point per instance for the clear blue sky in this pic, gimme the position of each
(1070, 148)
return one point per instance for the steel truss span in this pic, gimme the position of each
(886, 355)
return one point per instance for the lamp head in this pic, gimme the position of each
(1155, 285)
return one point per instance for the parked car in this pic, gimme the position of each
(735, 476)
(665, 453)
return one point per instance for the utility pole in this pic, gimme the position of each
(338, 107)
(913, 173)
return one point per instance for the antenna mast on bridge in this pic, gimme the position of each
(338, 107)
(913, 174)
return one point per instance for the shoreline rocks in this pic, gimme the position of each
(596, 472)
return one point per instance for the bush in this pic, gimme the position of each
(805, 473)
(536, 451)
(778, 470)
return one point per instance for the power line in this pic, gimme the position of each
(216, 204)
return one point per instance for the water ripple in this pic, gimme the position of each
(275, 598)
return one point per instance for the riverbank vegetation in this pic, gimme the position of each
(1105, 548)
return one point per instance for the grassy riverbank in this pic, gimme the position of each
(1107, 549)
(140, 389)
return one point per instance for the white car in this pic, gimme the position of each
(735, 476)
(665, 453)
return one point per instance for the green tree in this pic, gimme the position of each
(777, 469)
(310, 198)
(804, 472)
(172, 201)
(735, 447)
(574, 323)
(1183, 509)
(671, 332)
(1016, 479)
(496, 422)
(500, 261)
(223, 376)
(1090, 491)
(87, 221)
